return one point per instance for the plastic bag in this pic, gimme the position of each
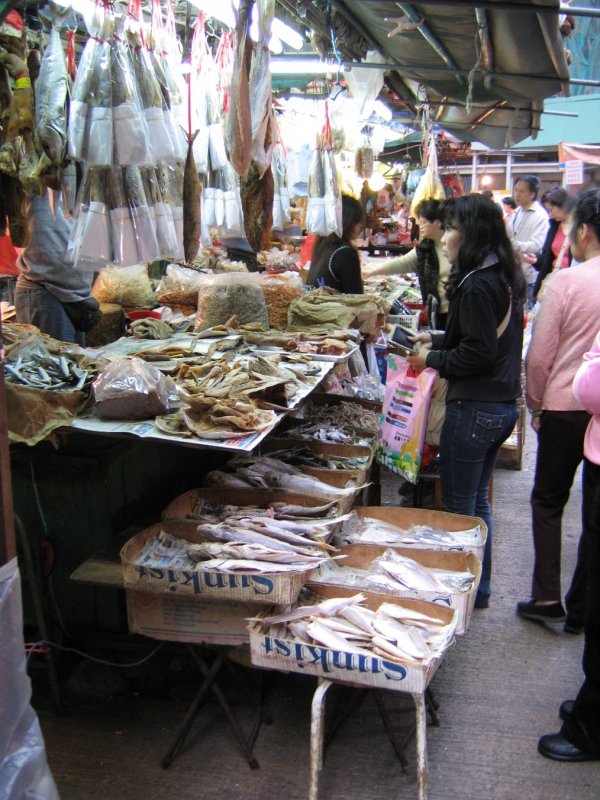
(180, 286)
(24, 771)
(131, 389)
(279, 291)
(231, 294)
(127, 286)
(324, 207)
(365, 84)
(404, 417)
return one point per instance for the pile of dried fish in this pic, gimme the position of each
(347, 413)
(395, 572)
(342, 434)
(375, 531)
(235, 555)
(322, 516)
(336, 343)
(345, 624)
(265, 472)
(37, 368)
(271, 380)
(305, 457)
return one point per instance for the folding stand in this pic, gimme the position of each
(423, 702)
(209, 684)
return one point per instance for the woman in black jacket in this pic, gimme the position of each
(335, 261)
(480, 355)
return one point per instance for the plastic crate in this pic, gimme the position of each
(408, 321)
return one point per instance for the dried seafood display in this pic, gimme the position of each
(266, 472)
(328, 432)
(37, 368)
(346, 414)
(345, 624)
(395, 573)
(336, 343)
(305, 457)
(376, 531)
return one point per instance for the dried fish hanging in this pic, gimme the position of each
(238, 131)
(199, 85)
(324, 207)
(261, 96)
(52, 91)
(281, 199)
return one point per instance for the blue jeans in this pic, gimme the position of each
(37, 306)
(471, 437)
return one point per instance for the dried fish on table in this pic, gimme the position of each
(345, 624)
(228, 419)
(305, 457)
(37, 368)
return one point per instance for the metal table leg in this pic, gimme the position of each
(421, 742)
(316, 736)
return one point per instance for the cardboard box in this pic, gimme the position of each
(407, 517)
(180, 618)
(361, 556)
(188, 503)
(331, 449)
(269, 650)
(209, 585)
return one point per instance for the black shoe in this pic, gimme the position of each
(565, 712)
(482, 600)
(573, 626)
(555, 746)
(552, 612)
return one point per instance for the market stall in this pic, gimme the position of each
(172, 162)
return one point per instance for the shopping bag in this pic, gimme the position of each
(404, 417)
(437, 412)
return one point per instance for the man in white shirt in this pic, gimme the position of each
(528, 226)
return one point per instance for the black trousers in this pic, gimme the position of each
(560, 451)
(583, 729)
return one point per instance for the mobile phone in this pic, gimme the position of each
(400, 338)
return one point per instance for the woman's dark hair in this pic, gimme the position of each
(560, 198)
(587, 212)
(483, 232)
(487, 193)
(532, 181)
(352, 214)
(431, 210)
(510, 202)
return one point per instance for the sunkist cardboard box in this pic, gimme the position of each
(183, 619)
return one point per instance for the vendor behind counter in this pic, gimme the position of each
(427, 260)
(335, 261)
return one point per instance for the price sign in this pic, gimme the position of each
(573, 173)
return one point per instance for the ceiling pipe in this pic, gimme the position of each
(486, 45)
(429, 37)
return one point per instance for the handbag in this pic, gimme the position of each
(437, 403)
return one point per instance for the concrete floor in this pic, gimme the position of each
(499, 689)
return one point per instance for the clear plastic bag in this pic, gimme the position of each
(179, 286)
(24, 772)
(126, 286)
(131, 389)
(365, 84)
(231, 294)
(93, 247)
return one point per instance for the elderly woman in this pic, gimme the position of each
(480, 355)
